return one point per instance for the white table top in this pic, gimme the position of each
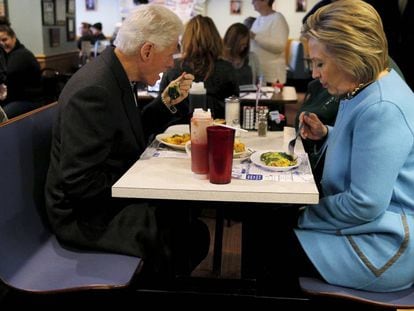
(171, 178)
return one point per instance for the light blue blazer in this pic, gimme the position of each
(361, 234)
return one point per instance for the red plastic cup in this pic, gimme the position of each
(220, 153)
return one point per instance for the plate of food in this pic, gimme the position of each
(175, 141)
(240, 151)
(275, 160)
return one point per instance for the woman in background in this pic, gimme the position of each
(237, 51)
(269, 35)
(23, 75)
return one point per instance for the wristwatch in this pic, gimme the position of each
(167, 103)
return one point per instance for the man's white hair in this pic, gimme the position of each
(148, 23)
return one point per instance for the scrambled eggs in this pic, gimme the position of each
(280, 159)
(177, 139)
(181, 139)
(239, 146)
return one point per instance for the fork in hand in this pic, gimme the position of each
(292, 143)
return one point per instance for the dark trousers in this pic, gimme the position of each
(272, 253)
(16, 108)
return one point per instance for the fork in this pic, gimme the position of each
(292, 143)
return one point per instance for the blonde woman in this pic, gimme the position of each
(359, 235)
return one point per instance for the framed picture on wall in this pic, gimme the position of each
(71, 6)
(90, 5)
(300, 5)
(3, 8)
(54, 37)
(235, 7)
(60, 9)
(48, 12)
(70, 29)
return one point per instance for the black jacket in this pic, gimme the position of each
(23, 75)
(97, 136)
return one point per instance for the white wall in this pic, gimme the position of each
(219, 11)
(108, 12)
(26, 21)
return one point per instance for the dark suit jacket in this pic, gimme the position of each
(97, 136)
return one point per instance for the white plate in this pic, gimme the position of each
(160, 137)
(240, 156)
(178, 129)
(255, 158)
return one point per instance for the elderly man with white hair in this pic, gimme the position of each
(99, 134)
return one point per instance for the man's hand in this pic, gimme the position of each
(178, 89)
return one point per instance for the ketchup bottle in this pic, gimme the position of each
(199, 153)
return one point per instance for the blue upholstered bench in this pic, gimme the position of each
(403, 299)
(31, 258)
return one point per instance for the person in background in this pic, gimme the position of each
(3, 64)
(99, 40)
(202, 56)
(23, 75)
(85, 34)
(237, 51)
(99, 134)
(85, 43)
(359, 234)
(97, 34)
(269, 35)
(3, 73)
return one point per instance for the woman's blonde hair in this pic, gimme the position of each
(201, 45)
(352, 32)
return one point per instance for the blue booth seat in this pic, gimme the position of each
(31, 257)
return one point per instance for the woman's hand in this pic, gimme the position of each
(312, 128)
(178, 89)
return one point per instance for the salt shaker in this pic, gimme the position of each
(232, 111)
